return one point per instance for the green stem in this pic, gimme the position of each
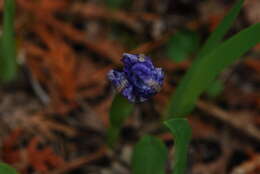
(8, 49)
(119, 112)
(182, 132)
(181, 154)
(112, 136)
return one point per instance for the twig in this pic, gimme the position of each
(80, 161)
(149, 46)
(238, 121)
(247, 167)
(132, 20)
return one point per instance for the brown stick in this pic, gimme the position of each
(80, 161)
(237, 121)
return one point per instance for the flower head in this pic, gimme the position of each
(139, 80)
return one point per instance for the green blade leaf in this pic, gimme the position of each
(221, 29)
(6, 169)
(8, 66)
(120, 109)
(204, 70)
(181, 44)
(149, 156)
(182, 133)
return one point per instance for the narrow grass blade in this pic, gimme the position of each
(6, 169)
(216, 37)
(204, 70)
(8, 65)
(120, 109)
(149, 156)
(182, 133)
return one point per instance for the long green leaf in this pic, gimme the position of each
(8, 65)
(221, 29)
(181, 131)
(204, 70)
(149, 156)
(6, 169)
(119, 111)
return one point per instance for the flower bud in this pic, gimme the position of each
(139, 80)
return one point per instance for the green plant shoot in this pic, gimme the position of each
(6, 169)
(149, 156)
(8, 66)
(119, 112)
(216, 37)
(181, 131)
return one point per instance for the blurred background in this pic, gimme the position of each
(54, 115)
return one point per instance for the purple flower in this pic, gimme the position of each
(139, 80)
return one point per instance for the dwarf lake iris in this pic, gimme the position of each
(139, 80)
